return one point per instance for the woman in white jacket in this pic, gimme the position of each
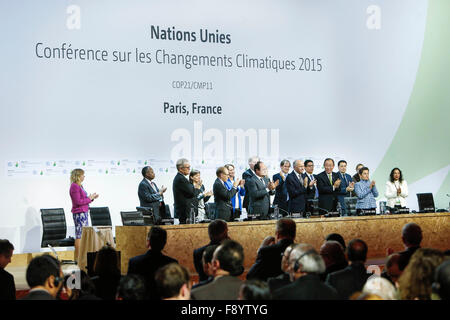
(396, 190)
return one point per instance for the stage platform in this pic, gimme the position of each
(379, 232)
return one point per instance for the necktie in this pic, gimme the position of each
(331, 179)
(262, 180)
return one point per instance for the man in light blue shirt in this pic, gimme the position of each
(366, 191)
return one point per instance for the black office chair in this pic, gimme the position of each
(100, 216)
(210, 209)
(132, 218)
(55, 229)
(147, 214)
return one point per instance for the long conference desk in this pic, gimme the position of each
(379, 232)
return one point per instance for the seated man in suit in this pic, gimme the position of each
(217, 232)
(296, 187)
(328, 184)
(260, 188)
(149, 194)
(223, 196)
(207, 265)
(306, 266)
(333, 255)
(173, 282)
(227, 262)
(281, 194)
(246, 176)
(283, 279)
(7, 285)
(268, 259)
(45, 278)
(351, 279)
(146, 265)
(346, 187)
(183, 191)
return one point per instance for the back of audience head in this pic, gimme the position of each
(285, 229)
(45, 271)
(357, 251)
(304, 259)
(228, 258)
(417, 278)
(411, 234)
(6, 252)
(336, 237)
(332, 253)
(156, 238)
(106, 262)
(218, 230)
(441, 284)
(207, 259)
(381, 287)
(173, 282)
(254, 290)
(131, 287)
(392, 267)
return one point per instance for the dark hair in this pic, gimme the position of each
(442, 280)
(5, 247)
(255, 290)
(391, 176)
(257, 166)
(106, 262)
(40, 269)
(157, 237)
(230, 255)
(144, 170)
(209, 252)
(217, 230)
(193, 173)
(359, 164)
(362, 170)
(170, 278)
(131, 287)
(412, 233)
(327, 160)
(341, 161)
(336, 237)
(286, 227)
(308, 161)
(283, 162)
(357, 250)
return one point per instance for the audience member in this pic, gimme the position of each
(283, 279)
(107, 273)
(306, 266)
(217, 232)
(381, 287)
(254, 290)
(392, 270)
(228, 262)
(353, 277)
(441, 284)
(84, 290)
(336, 237)
(7, 285)
(268, 259)
(131, 287)
(333, 255)
(173, 282)
(411, 237)
(207, 265)
(417, 278)
(45, 278)
(147, 264)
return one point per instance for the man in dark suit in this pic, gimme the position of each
(246, 176)
(228, 262)
(149, 194)
(306, 266)
(411, 237)
(183, 191)
(45, 278)
(7, 285)
(222, 196)
(207, 265)
(296, 187)
(311, 187)
(217, 232)
(268, 259)
(351, 279)
(260, 188)
(147, 264)
(328, 184)
(173, 282)
(346, 187)
(281, 194)
(283, 279)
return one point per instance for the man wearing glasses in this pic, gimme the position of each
(183, 191)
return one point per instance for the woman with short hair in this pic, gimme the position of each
(201, 197)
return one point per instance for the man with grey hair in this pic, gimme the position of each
(183, 191)
(246, 176)
(306, 265)
(381, 287)
(296, 187)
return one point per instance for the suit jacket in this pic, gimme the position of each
(149, 197)
(198, 264)
(268, 261)
(183, 192)
(246, 176)
(308, 287)
(281, 193)
(259, 198)
(222, 199)
(296, 192)
(349, 280)
(342, 193)
(146, 266)
(221, 288)
(327, 197)
(310, 191)
(278, 282)
(80, 200)
(38, 295)
(7, 286)
(405, 256)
